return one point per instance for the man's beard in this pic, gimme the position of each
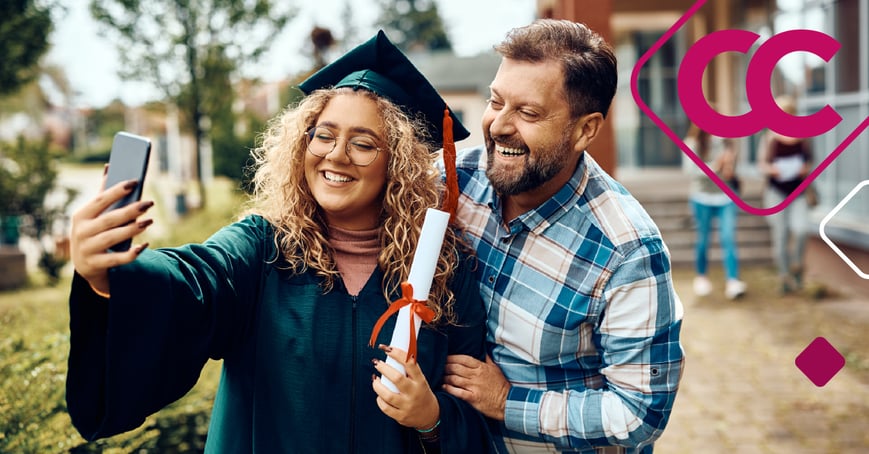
(537, 170)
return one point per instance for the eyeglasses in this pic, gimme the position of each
(361, 150)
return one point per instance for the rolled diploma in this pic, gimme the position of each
(422, 269)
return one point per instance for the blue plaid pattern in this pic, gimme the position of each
(582, 315)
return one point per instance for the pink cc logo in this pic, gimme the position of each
(764, 112)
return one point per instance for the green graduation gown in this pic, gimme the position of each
(296, 371)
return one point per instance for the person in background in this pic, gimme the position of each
(288, 296)
(786, 161)
(708, 202)
(583, 320)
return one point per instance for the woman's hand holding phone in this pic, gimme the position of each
(95, 230)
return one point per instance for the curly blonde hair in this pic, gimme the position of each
(281, 195)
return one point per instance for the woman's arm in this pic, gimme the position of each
(169, 311)
(726, 162)
(807, 159)
(463, 428)
(764, 156)
(94, 231)
(444, 423)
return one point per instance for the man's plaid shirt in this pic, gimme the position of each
(582, 315)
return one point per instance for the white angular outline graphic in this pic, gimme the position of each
(830, 242)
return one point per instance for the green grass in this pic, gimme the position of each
(34, 348)
(224, 206)
(33, 369)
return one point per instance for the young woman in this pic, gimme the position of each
(786, 161)
(288, 296)
(708, 202)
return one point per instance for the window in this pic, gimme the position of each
(847, 60)
(657, 86)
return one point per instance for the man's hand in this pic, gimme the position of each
(481, 384)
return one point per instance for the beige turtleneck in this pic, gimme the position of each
(356, 253)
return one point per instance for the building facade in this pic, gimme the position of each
(635, 26)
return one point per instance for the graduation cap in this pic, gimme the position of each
(379, 66)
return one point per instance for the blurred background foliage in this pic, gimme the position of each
(34, 350)
(31, 200)
(205, 90)
(24, 30)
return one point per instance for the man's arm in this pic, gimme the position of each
(638, 340)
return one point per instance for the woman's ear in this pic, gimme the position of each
(586, 130)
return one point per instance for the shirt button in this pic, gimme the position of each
(491, 279)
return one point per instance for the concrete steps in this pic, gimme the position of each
(664, 195)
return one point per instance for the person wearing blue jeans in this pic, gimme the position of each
(726, 214)
(709, 202)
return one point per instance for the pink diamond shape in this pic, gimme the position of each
(820, 361)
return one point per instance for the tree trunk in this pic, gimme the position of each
(195, 102)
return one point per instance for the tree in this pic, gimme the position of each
(232, 133)
(178, 45)
(28, 179)
(414, 24)
(322, 40)
(102, 124)
(24, 29)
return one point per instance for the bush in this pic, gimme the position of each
(96, 157)
(232, 153)
(28, 178)
(34, 350)
(27, 174)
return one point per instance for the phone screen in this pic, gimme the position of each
(128, 161)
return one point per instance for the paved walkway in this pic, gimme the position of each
(742, 393)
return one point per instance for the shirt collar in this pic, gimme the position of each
(550, 211)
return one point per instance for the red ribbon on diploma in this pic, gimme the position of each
(416, 307)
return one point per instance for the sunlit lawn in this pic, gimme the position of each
(34, 347)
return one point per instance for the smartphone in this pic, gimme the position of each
(127, 161)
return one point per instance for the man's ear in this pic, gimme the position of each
(586, 130)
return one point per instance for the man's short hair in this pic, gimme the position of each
(589, 63)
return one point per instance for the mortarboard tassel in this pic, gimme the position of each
(451, 195)
(418, 308)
